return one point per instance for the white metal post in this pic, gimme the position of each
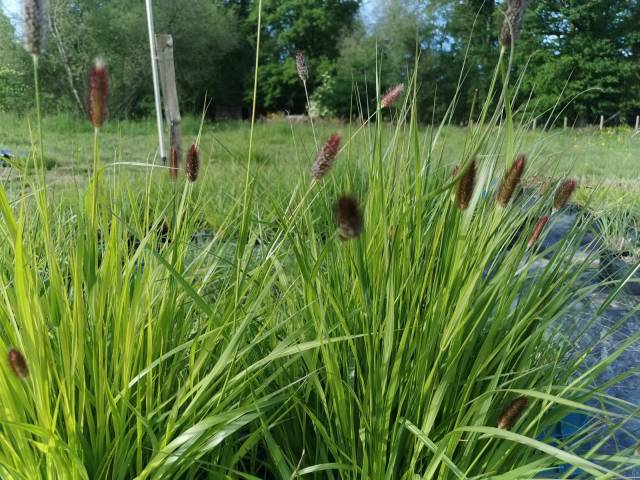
(156, 83)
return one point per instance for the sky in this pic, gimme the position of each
(12, 7)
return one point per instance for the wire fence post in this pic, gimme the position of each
(156, 83)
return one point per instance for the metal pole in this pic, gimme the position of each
(156, 83)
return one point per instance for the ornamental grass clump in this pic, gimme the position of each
(276, 352)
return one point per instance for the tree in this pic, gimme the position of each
(584, 52)
(315, 27)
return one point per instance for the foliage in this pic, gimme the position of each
(586, 54)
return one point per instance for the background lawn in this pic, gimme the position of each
(609, 159)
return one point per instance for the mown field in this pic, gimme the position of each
(608, 159)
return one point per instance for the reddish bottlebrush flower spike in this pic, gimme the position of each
(33, 16)
(465, 187)
(512, 412)
(98, 94)
(349, 217)
(511, 180)
(537, 230)
(173, 165)
(301, 66)
(17, 363)
(391, 96)
(325, 158)
(563, 193)
(193, 164)
(512, 22)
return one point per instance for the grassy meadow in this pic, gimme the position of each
(605, 159)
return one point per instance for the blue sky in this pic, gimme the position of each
(12, 7)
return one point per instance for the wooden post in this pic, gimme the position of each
(565, 123)
(166, 66)
(601, 122)
(637, 122)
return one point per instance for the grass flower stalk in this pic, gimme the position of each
(303, 72)
(563, 194)
(34, 32)
(466, 186)
(192, 164)
(326, 157)
(173, 164)
(34, 18)
(512, 22)
(511, 181)
(537, 230)
(17, 363)
(512, 413)
(349, 217)
(97, 110)
(392, 96)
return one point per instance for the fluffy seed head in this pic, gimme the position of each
(537, 230)
(17, 363)
(33, 16)
(192, 164)
(391, 96)
(301, 66)
(511, 180)
(512, 22)
(98, 93)
(325, 158)
(465, 187)
(512, 412)
(563, 194)
(173, 164)
(349, 217)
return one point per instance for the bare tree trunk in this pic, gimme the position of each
(64, 59)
